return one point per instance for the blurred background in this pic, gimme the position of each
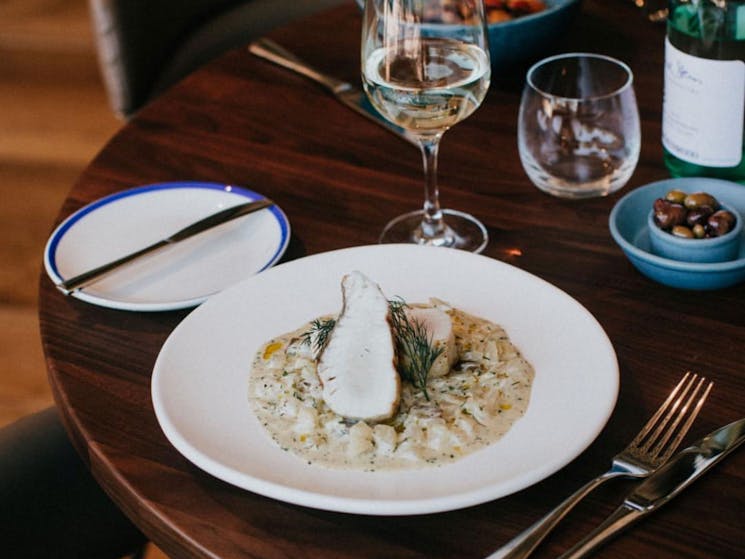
(54, 118)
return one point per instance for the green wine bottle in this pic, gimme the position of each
(703, 115)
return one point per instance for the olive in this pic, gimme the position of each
(698, 215)
(720, 223)
(699, 231)
(698, 199)
(660, 204)
(675, 196)
(682, 231)
(667, 214)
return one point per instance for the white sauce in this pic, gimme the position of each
(471, 407)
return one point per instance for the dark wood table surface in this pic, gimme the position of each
(340, 178)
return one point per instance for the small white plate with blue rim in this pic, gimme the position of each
(179, 276)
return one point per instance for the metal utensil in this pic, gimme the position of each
(348, 94)
(213, 220)
(645, 454)
(668, 482)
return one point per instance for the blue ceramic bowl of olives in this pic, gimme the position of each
(668, 244)
(631, 227)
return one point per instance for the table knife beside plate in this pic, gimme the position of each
(213, 220)
(668, 482)
(348, 94)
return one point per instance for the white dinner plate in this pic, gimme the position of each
(178, 276)
(200, 379)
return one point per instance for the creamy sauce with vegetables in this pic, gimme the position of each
(473, 406)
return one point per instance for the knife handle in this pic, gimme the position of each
(623, 517)
(74, 283)
(269, 50)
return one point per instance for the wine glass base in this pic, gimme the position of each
(462, 231)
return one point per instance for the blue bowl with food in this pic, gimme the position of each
(522, 31)
(528, 35)
(710, 232)
(632, 228)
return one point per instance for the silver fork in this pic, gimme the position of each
(650, 449)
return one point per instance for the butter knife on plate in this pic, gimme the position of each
(223, 216)
(348, 94)
(668, 482)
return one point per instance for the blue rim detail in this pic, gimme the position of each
(228, 188)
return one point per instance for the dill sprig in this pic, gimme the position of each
(318, 334)
(416, 355)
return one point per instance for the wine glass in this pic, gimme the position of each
(425, 67)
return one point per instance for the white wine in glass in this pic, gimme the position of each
(425, 67)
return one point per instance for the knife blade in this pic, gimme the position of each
(213, 220)
(348, 94)
(661, 487)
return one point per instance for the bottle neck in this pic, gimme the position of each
(709, 20)
(713, 29)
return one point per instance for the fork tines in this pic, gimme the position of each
(660, 437)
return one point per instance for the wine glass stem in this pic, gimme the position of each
(433, 225)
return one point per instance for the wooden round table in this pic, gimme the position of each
(339, 178)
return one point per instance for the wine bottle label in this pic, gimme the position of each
(703, 108)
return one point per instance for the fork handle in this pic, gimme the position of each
(526, 541)
(269, 50)
(621, 518)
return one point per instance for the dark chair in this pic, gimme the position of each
(146, 46)
(50, 505)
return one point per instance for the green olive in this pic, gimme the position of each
(699, 199)
(699, 231)
(675, 196)
(682, 231)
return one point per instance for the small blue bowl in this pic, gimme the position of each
(714, 249)
(629, 227)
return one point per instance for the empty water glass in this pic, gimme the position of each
(578, 129)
